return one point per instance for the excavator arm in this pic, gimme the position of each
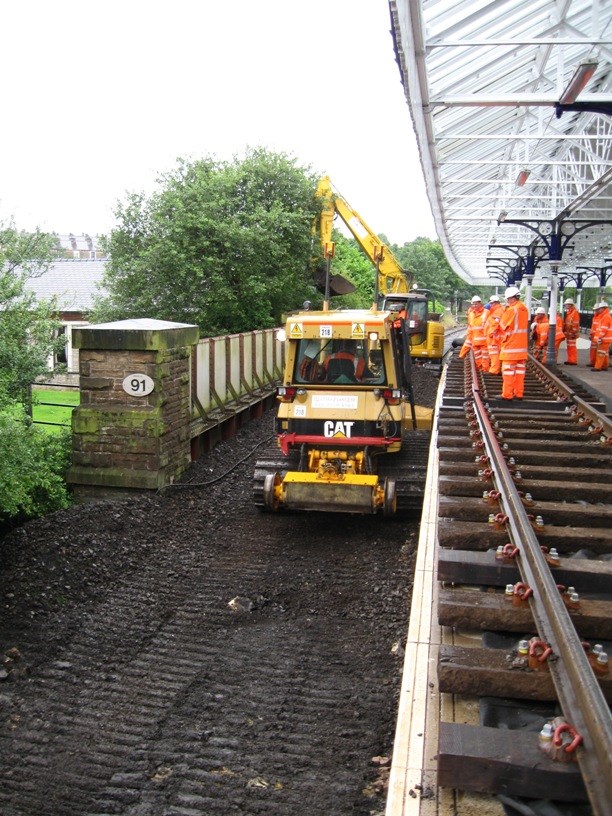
(392, 279)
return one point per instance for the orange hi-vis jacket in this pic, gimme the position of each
(495, 312)
(475, 335)
(541, 330)
(571, 323)
(602, 330)
(514, 330)
(559, 333)
(594, 324)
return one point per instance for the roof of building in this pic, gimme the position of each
(83, 243)
(74, 282)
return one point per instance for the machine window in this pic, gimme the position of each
(339, 362)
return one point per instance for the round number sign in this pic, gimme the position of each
(138, 385)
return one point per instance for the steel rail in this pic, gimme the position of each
(578, 691)
(587, 409)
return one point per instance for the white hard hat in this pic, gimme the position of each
(601, 305)
(494, 299)
(540, 310)
(568, 302)
(511, 291)
(476, 299)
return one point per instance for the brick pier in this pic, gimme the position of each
(131, 430)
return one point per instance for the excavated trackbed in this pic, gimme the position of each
(164, 698)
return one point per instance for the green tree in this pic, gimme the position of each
(426, 260)
(225, 245)
(32, 464)
(351, 262)
(27, 328)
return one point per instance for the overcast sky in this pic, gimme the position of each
(99, 98)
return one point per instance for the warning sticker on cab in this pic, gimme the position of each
(296, 331)
(347, 402)
(358, 330)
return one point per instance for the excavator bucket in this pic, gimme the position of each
(338, 284)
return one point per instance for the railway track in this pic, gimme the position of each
(524, 569)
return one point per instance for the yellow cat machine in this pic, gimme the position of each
(349, 435)
(425, 332)
(394, 286)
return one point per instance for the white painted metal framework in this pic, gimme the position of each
(482, 80)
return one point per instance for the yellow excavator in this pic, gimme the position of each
(394, 287)
(349, 436)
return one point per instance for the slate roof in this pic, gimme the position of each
(74, 282)
(79, 246)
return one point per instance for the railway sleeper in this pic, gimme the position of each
(518, 444)
(490, 611)
(594, 456)
(562, 473)
(488, 672)
(494, 760)
(464, 567)
(542, 490)
(585, 542)
(553, 513)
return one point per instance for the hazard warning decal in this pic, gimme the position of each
(296, 331)
(358, 331)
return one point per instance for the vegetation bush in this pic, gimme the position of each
(32, 469)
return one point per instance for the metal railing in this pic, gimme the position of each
(37, 402)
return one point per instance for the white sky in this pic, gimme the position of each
(99, 98)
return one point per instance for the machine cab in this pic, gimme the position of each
(339, 361)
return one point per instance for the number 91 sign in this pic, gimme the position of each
(138, 385)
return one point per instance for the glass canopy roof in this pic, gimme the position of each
(511, 102)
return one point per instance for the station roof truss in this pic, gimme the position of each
(484, 81)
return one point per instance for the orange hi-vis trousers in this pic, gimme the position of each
(513, 378)
(602, 356)
(494, 364)
(481, 357)
(572, 350)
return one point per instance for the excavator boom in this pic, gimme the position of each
(394, 289)
(392, 279)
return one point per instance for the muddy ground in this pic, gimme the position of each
(182, 653)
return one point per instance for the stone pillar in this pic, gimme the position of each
(131, 430)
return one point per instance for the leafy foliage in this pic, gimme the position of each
(32, 468)
(426, 259)
(26, 327)
(350, 262)
(32, 463)
(225, 245)
(422, 257)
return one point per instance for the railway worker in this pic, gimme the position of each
(571, 329)
(602, 336)
(559, 336)
(401, 314)
(475, 338)
(491, 333)
(344, 350)
(540, 334)
(592, 332)
(514, 334)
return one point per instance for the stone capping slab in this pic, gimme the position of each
(137, 334)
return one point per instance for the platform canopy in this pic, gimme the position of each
(511, 102)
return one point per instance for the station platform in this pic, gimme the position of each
(599, 382)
